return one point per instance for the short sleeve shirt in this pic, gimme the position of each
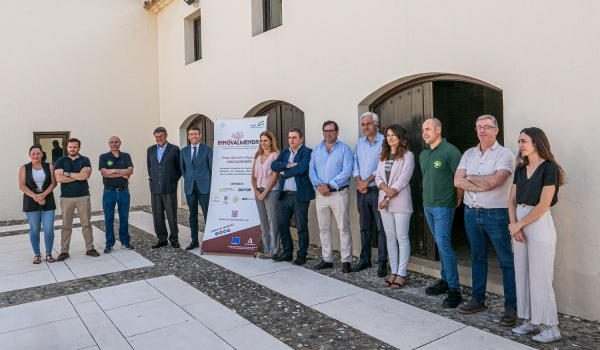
(495, 158)
(438, 166)
(530, 190)
(78, 188)
(109, 161)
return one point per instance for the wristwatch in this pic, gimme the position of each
(68, 174)
(329, 187)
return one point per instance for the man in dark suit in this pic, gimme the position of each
(57, 151)
(164, 172)
(295, 193)
(196, 168)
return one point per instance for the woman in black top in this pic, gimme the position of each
(535, 189)
(36, 180)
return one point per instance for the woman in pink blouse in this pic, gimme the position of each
(266, 183)
(396, 164)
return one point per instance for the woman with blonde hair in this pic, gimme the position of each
(36, 180)
(266, 183)
(395, 168)
(535, 189)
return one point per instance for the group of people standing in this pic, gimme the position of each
(506, 202)
(37, 180)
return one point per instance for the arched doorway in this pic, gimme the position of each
(207, 128)
(456, 101)
(282, 116)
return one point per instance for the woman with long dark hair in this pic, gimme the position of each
(535, 189)
(265, 183)
(36, 180)
(395, 168)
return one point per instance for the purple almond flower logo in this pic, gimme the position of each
(237, 135)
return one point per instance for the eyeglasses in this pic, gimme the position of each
(485, 127)
(328, 131)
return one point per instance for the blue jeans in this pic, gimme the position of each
(440, 220)
(192, 202)
(287, 206)
(493, 223)
(37, 220)
(109, 200)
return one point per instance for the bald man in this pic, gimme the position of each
(116, 168)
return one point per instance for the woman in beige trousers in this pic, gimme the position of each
(535, 189)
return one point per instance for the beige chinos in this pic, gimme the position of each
(84, 209)
(534, 269)
(337, 203)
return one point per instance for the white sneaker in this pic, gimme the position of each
(526, 328)
(548, 334)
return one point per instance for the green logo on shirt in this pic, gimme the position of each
(437, 164)
(109, 163)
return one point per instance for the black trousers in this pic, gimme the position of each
(165, 203)
(287, 206)
(367, 206)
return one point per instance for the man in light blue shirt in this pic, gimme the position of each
(366, 159)
(329, 171)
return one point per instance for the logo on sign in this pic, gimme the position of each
(236, 199)
(235, 240)
(260, 124)
(234, 213)
(244, 189)
(249, 241)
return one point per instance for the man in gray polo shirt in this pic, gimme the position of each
(485, 173)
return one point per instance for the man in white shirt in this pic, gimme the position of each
(485, 174)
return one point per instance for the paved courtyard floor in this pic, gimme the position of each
(174, 299)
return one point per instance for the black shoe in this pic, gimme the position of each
(299, 261)
(509, 318)
(346, 267)
(453, 299)
(439, 288)
(62, 257)
(323, 265)
(362, 266)
(275, 257)
(472, 307)
(382, 271)
(284, 258)
(175, 245)
(192, 246)
(160, 244)
(92, 252)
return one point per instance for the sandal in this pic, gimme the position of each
(49, 258)
(388, 283)
(402, 283)
(37, 259)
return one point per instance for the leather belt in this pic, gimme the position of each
(339, 189)
(115, 188)
(290, 192)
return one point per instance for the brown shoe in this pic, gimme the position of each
(323, 265)
(62, 257)
(399, 283)
(346, 267)
(92, 252)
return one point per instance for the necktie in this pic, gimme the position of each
(194, 156)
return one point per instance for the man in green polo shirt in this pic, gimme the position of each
(438, 162)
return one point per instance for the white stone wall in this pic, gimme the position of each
(329, 57)
(88, 67)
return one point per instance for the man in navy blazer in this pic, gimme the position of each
(196, 168)
(164, 172)
(295, 193)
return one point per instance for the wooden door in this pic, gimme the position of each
(281, 118)
(407, 108)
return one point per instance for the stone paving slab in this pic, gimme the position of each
(112, 318)
(477, 340)
(17, 270)
(56, 223)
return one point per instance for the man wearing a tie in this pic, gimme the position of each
(196, 168)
